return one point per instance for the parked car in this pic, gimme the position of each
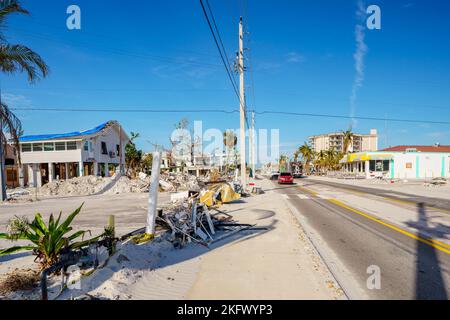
(285, 178)
(274, 175)
(297, 175)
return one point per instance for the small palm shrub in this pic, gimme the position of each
(48, 240)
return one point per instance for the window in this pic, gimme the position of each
(118, 149)
(37, 147)
(71, 145)
(386, 165)
(372, 165)
(379, 165)
(104, 149)
(26, 147)
(86, 146)
(60, 146)
(49, 146)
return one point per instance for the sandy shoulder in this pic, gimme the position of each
(276, 264)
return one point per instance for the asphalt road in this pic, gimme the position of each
(353, 244)
(428, 201)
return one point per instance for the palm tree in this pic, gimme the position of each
(320, 160)
(348, 139)
(307, 155)
(230, 142)
(133, 156)
(282, 163)
(332, 158)
(296, 154)
(14, 58)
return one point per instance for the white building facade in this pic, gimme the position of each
(359, 143)
(408, 164)
(99, 151)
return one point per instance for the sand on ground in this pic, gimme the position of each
(276, 263)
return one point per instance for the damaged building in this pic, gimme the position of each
(99, 151)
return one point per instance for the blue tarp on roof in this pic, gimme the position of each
(64, 135)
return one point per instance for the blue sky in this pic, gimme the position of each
(159, 54)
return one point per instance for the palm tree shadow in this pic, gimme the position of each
(430, 283)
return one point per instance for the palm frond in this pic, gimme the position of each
(4, 252)
(19, 58)
(10, 123)
(14, 7)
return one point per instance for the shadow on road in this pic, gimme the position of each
(429, 279)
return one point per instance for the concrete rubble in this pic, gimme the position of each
(436, 182)
(90, 185)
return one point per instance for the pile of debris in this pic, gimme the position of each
(127, 185)
(180, 182)
(436, 182)
(189, 220)
(79, 186)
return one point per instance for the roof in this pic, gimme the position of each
(419, 148)
(71, 135)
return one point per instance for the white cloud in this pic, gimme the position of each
(294, 57)
(359, 55)
(438, 134)
(267, 66)
(14, 100)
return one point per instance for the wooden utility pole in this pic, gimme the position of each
(242, 104)
(252, 145)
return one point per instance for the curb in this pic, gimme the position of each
(333, 273)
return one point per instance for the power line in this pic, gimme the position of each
(227, 111)
(348, 117)
(116, 51)
(220, 40)
(115, 39)
(124, 110)
(113, 89)
(220, 51)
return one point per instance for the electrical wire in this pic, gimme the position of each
(219, 48)
(227, 111)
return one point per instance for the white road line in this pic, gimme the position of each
(321, 196)
(285, 196)
(303, 196)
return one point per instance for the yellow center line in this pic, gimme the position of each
(314, 193)
(363, 193)
(431, 242)
(414, 203)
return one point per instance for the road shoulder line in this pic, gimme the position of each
(348, 293)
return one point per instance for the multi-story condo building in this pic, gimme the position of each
(360, 142)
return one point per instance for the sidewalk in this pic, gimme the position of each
(276, 264)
